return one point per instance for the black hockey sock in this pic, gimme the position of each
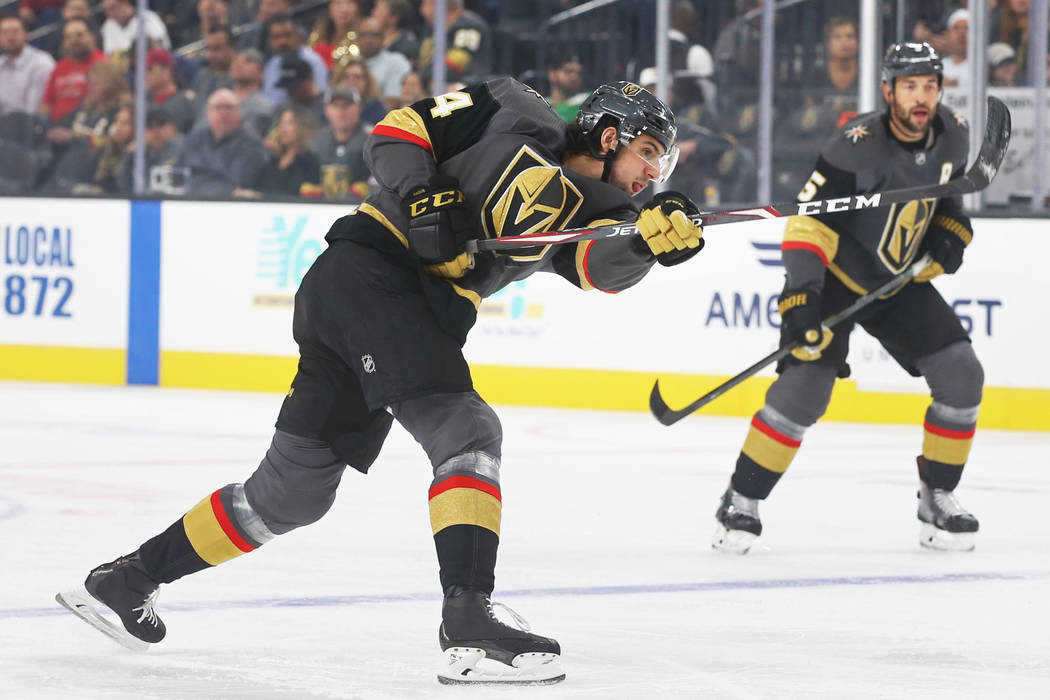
(765, 456)
(206, 536)
(467, 556)
(938, 475)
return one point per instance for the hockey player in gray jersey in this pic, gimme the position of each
(381, 318)
(830, 260)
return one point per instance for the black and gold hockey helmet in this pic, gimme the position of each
(911, 58)
(637, 111)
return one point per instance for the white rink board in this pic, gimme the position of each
(64, 272)
(701, 317)
(229, 271)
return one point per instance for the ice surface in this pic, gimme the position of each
(607, 521)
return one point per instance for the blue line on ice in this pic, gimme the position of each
(639, 589)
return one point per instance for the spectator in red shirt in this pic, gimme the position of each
(68, 82)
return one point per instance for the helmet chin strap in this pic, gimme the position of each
(608, 159)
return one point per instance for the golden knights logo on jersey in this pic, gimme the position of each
(530, 196)
(906, 224)
(905, 227)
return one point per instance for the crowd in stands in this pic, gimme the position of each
(275, 98)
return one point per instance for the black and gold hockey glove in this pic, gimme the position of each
(800, 314)
(438, 226)
(945, 242)
(666, 229)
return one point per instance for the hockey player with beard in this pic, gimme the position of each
(381, 318)
(831, 260)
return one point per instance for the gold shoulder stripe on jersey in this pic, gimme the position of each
(806, 229)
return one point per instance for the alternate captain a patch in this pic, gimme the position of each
(857, 132)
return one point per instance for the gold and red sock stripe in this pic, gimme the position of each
(946, 445)
(768, 447)
(465, 500)
(212, 533)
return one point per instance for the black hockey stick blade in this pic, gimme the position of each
(669, 416)
(980, 174)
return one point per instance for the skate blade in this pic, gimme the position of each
(732, 541)
(468, 666)
(80, 603)
(932, 537)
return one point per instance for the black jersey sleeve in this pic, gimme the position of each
(406, 147)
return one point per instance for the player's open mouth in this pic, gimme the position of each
(636, 187)
(921, 113)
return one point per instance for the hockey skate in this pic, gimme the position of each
(738, 523)
(946, 525)
(124, 587)
(481, 649)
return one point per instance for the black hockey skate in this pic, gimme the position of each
(479, 648)
(124, 587)
(738, 523)
(946, 525)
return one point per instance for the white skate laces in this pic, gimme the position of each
(946, 503)
(521, 623)
(148, 613)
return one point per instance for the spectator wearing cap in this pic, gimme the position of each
(24, 69)
(291, 164)
(388, 67)
(956, 67)
(469, 41)
(285, 38)
(218, 54)
(1002, 65)
(67, 83)
(162, 141)
(565, 77)
(393, 16)
(340, 145)
(224, 158)
(121, 27)
(181, 105)
(303, 98)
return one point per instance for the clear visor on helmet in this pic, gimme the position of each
(664, 164)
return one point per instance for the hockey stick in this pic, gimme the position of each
(983, 170)
(669, 416)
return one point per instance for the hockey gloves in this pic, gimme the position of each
(945, 242)
(665, 227)
(438, 226)
(800, 315)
